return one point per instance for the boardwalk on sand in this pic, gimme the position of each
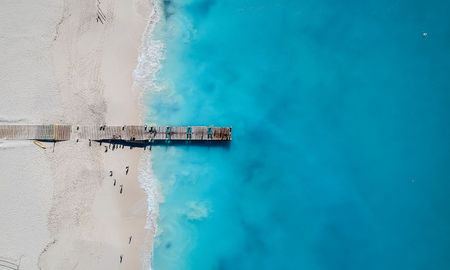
(122, 133)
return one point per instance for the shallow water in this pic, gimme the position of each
(341, 125)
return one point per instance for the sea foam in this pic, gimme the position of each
(149, 61)
(151, 54)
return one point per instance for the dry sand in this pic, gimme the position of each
(58, 207)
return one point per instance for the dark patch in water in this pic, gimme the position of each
(250, 170)
(347, 226)
(253, 246)
(209, 87)
(223, 264)
(203, 7)
(168, 9)
(254, 242)
(168, 245)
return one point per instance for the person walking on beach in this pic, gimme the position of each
(114, 182)
(121, 257)
(110, 173)
(121, 188)
(129, 240)
(126, 170)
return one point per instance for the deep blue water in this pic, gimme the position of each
(341, 135)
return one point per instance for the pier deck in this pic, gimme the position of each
(122, 133)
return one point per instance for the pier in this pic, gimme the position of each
(114, 133)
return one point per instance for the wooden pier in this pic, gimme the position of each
(36, 132)
(117, 133)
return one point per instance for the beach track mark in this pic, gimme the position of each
(6, 263)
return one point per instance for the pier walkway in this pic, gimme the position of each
(120, 133)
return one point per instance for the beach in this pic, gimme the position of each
(72, 62)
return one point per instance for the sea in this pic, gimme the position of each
(340, 113)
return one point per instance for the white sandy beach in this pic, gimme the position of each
(60, 64)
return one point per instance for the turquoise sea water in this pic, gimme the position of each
(341, 135)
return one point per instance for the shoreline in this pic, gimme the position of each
(79, 219)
